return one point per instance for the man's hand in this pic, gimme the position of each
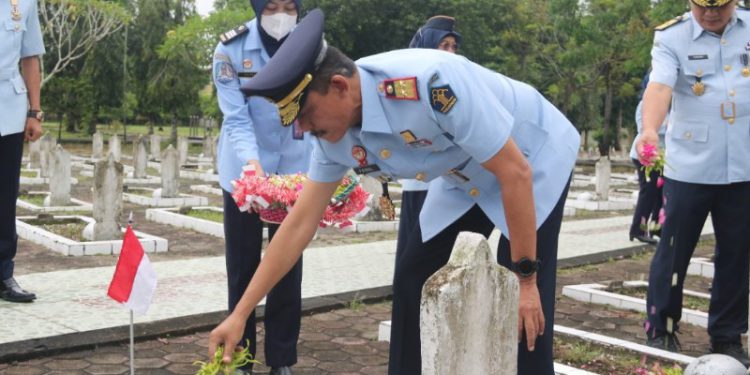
(33, 130)
(647, 137)
(228, 333)
(530, 315)
(258, 168)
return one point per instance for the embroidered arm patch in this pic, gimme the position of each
(443, 99)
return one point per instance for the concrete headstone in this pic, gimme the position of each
(115, 148)
(140, 157)
(46, 146)
(155, 144)
(469, 313)
(107, 199)
(208, 146)
(35, 154)
(97, 144)
(170, 173)
(182, 148)
(603, 174)
(59, 177)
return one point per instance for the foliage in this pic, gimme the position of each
(217, 366)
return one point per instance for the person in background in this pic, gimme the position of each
(22, 116)
(701, 68)
(251, 135)
(438, 33)
(646, 216)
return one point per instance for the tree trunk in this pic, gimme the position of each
(618, 145)
(606, 140)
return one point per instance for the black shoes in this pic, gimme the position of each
(12, 292)
(732, 349)
(644, 239)
(666, 341)
(281, 371)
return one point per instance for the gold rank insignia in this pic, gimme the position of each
(443, 99)
(671, 23)
(233, 34)
(14, 12)
(401, 88)
(408, 136)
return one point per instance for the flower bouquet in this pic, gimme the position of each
(272, 197)
(653, 160)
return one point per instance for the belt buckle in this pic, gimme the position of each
(730, 118)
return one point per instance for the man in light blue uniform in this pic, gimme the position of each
(20, 41)
(701, 66)
(251, 135)
(467, 129)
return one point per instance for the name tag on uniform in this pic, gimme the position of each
(698, 57)
(246, 74)
(367, 169)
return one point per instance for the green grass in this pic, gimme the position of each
(356, 303)
(606, 360)
(29, 174)
(210, 215)
(688, 302)
(35, 199)
(141, 192)
(68, 228)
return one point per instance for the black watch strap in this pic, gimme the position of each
(526, 267)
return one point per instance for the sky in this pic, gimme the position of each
(204, 6)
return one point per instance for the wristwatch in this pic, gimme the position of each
(525, 267)
(36, 113)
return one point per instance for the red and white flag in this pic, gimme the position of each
(134, 281)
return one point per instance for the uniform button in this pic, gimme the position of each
(723, 42)
(420, 176)
(474, 192)
(688, 135)
(732, 93)
(385, 153)
(731, 120)
(727, 68)
(699, 72)
(18, 27)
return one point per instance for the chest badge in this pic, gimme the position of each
(247, 63)
(745, 62)
(443, 99)
(14, 12)
(699, 88)
(412, 141)
(400, 88)
(360, 155)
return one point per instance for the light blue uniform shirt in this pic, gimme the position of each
(18, 39)
(252, 126)
(488, 110)
(702, 144)
(639, 125)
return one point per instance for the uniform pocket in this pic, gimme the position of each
(529, 138)
(691, 133)
(700, 67)
(19, 85)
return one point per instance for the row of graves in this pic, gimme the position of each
(158, 178)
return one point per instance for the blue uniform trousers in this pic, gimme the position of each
(11, 151)
(244, 240)
(420, 260)
(649, 201)
(411, 206)
(687, 206)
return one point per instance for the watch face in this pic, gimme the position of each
(525, 267)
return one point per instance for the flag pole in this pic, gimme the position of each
(132, 335)
(132, 345)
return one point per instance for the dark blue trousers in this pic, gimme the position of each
(687, 206)
(244, 239)
(419, 260)
(649, 201)
(411, 206)
(11, 151)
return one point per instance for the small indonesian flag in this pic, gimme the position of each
(134, 281)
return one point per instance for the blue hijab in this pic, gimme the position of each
(436, 28)
(269, 43)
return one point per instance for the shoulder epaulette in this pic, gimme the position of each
(671, 22)
(233, 34)
(401, 88)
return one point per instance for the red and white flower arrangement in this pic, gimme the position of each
(273, 197)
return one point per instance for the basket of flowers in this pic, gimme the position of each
(273, 197)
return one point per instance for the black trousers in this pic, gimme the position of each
(649, 201)
(420, 260)
(687, 206)
(411, 205)
(244, 239)
(11, 152)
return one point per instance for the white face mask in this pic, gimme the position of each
(278, 25)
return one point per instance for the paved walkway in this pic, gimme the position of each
(75, 301)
